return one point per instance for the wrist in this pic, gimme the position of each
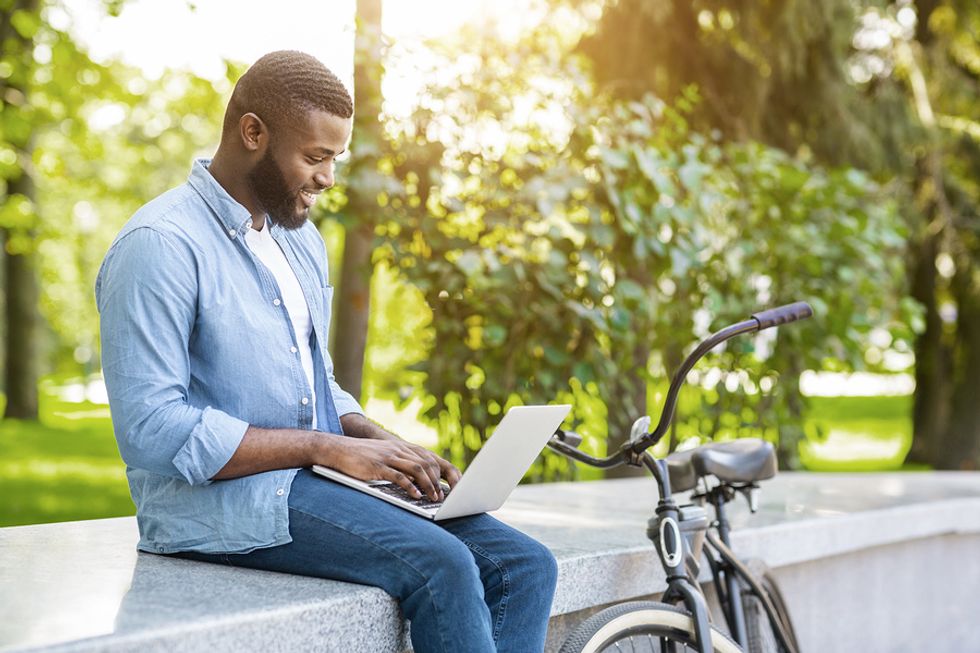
(321, 448)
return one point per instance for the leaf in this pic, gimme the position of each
(615, 159)
(470, 263)
(26, 23)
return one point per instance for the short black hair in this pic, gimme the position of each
(283, 86)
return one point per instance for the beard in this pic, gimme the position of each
(269, 187)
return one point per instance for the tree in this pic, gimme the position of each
(887, 88)
(938, 64)
(18, 25)
(564, 240)
(103, 141)
(360, 215)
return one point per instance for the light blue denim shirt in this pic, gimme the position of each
(196, 346)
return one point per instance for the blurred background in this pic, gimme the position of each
(544, 201)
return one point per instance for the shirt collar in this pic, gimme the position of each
(234, 217)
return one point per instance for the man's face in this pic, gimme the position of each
(297, 165)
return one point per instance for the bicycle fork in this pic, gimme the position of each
(664, 531)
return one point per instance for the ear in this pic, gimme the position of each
(253, 132)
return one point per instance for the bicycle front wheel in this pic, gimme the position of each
(641, 627)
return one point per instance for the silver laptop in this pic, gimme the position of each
(490, 478)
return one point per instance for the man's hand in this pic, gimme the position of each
(425, 468)
(371, 453)
(408, 465)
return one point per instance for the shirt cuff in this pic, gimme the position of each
(212, 443)
(344, 402)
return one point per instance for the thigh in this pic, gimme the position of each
(493, 540)
(342, 534)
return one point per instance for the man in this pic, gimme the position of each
(215, 308)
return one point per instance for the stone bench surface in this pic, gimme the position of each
(82, 586)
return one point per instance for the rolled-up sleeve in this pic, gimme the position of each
(147, 297)
(344, 401)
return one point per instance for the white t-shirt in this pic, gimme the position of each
(262, 245)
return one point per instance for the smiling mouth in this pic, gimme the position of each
(309, 197)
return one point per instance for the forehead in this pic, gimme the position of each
(319, 129)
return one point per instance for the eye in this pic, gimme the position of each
(315, 160)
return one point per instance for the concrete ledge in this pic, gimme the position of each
(81, 586)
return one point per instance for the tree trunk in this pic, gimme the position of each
(21, 291)
(355, 282)
(355, 302)
(931, 401)
(961, 444)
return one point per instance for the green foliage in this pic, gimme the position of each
(103, 140)
(589, 249)
(887, 87)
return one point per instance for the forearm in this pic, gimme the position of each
(262, 450)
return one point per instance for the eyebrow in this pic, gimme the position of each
(327, 151)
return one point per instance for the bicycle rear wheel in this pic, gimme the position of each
(760, 634)
(641, 627)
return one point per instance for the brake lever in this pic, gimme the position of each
(640, 428)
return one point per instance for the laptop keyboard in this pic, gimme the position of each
(398, 492)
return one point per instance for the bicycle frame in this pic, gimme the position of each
(663, 528)
(727, 571)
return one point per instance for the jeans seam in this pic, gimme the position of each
(505, 584)
(408, 564)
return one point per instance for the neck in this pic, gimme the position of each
(231, 174)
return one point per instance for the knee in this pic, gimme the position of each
(453, 563)
(540, 563)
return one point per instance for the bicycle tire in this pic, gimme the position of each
(650, 624)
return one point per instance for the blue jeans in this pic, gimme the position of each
(468, 584)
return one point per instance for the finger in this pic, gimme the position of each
(432, 468)
(401, 480)
(416, 469)
(449, 472)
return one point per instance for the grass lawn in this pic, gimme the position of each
(857, 433)
(67, 467)
(64, 467)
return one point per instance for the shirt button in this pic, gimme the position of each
(280, 492)
(248, 224)
(304, 401)
(276, 302)
(293, 350)
(232, 232)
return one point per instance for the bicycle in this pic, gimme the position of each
(753, 608)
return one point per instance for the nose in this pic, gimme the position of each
(324, 178)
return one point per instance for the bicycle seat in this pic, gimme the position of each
(736, 461)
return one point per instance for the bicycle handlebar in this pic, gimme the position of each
(631, 452)
(782, 315)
